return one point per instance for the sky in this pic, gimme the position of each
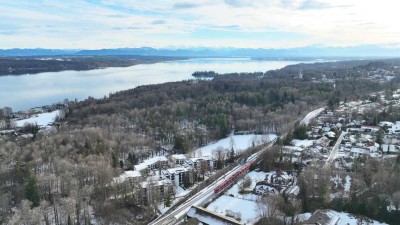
(99, 24)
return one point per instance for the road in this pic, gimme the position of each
(334, 151)
(208, 193)
(311, 115)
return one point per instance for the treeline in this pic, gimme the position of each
(32, 65)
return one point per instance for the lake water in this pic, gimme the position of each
(27, 91)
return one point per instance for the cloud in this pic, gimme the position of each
(184, 5)
(156, 22)
(311, 4)
(162, 23)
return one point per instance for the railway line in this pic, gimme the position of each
(218, 186)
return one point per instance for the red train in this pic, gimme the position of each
(233, 177)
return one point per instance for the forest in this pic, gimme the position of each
(33, 65)
(63, 176)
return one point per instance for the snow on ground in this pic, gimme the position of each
(41, 119)
(247, 209)
(347, 184)
(255, 177)
(302, 143)
(239, 142)
(344, 219)
(180, 192)
(234, 191)
(311, 115)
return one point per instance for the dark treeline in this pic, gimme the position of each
(32, 65)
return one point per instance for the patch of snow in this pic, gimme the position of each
(42, 119)
(302, 143)
(238, 142)
(347, 184)
(247, 209)
(180, 192)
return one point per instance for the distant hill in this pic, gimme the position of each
(35, 52)
(357, 51)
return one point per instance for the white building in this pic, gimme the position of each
(177, 160)
(152, 163)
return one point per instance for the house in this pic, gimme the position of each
(323, 141)
(177, 174)
(386, 124)
(196, 163)
(154, 188)
(176, 160)
(330, 134)
(358, 152)
(370, 129)
(152, 163)
(321, 217)
(132, 176)
(395, 129)
(264, 190)
(208, 217)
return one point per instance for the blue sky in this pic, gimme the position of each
(96, 24)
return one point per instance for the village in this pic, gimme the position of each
(338, 139)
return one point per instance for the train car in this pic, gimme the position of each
(233, 177)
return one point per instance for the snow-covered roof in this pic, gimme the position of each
(330, 134)
(178, 156)
(146, 163)
(293, 148)
(302, 143)
(210, 217)
(345, 218)
(195, 159)
(176, 170)
(387, 123)
(126, 175)
(154, 182)
(323, 218)
(360, 150)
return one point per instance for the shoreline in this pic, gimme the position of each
(20, 66)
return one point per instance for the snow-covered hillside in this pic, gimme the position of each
(238, 142)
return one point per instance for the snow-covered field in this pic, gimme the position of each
(246, 209)
(238, 142)
(41, 119)
(344, 219)
(235, 189)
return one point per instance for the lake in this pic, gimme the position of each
(28, 91)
